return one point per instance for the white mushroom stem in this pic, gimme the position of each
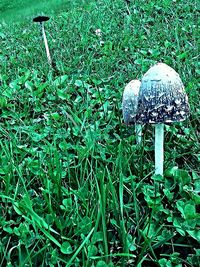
(159, 148)
(138, 133)
(46, 44)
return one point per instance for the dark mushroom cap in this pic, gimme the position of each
(162, 97)
(40, 19)
(130, 101)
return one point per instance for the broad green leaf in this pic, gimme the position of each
(190, 211)
(3, 102)
(179, 227)
(78, 83)
(195, 234)
(171, 172)
(66, 248)
(67, 203)
(92, 250)
(62, 94)
(101, 264)
(55, 115)
(60, 80)
(168, 194)
(97, 237)
(180, 206)
(182, 176)
(8, 229)
(29, 85)
(183, 55)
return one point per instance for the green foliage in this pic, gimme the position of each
(76, 190)
(20, 10)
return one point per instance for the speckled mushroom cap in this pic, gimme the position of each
(162, 97)
(130, 101)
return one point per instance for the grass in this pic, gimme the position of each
(76, 190)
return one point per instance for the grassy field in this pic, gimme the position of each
(75, 189)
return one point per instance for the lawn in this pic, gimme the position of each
(76, 189)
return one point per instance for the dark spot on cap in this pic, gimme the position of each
(40, 19)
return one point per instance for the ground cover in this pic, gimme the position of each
(76, 190)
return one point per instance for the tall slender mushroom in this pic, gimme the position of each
(129, 106)
(42, 19)
(162, 99)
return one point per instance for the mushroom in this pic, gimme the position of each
(42, 19)
(162, 99)
(129, 106)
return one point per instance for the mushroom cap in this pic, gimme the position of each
(40, 19)
(162, 97)
(130, 101)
